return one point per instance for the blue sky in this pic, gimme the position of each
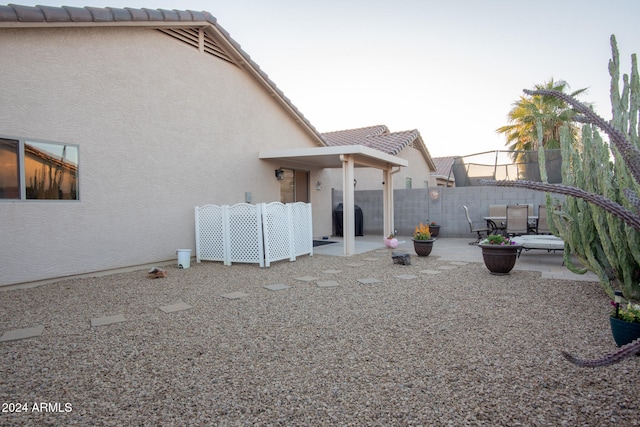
(451, 69)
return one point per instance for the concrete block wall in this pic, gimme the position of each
(415, 205)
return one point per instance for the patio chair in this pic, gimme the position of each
(517, 220)
(498, 210)
(479, 231)
(542, 226)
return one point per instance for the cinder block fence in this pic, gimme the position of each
(439, 204)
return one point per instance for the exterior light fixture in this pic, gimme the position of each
(318, 185)
(434, 194)
(618, 300)
(280, 174)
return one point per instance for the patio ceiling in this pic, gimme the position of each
(333, 157)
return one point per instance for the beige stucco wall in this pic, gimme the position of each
(371, 179)
(161, 128)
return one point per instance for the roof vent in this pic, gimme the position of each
(199, 39)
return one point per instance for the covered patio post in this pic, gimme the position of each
(348, 213)
(387, 201)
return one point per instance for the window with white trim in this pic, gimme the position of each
(32, 170)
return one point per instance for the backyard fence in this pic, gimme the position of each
(259, 233)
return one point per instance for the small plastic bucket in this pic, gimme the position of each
(184, 258)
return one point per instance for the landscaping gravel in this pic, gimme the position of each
(457, 348)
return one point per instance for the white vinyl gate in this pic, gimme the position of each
(253, 233)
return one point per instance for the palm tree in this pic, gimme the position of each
(549, 111)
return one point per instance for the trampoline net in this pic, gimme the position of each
(505, 165)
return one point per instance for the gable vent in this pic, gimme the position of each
(199, 39)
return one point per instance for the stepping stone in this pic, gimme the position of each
(327, 284)
(369, 281)
(307, 278)
(431, 271)
(358, 264)
(235, 295)
(460, 263)
(107, 320)
(277, 287)
(21, 334)
(332, 271)
(447, 267)
(175, 307)
(407, 276)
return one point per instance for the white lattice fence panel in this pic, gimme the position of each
(277, 234)
(210, 233)
(245, 234)
(302, 228)
(253, 233)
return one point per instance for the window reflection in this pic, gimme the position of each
(51, 171)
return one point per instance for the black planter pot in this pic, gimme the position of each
(500, 259)
(434, 230)
(423, 247)
(624, 332)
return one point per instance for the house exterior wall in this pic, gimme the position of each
(371, 179)
(161, 128)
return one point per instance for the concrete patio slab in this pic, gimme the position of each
(21, 334)
(107, 320)
(234, 295)
(180, 306)
(277, 287)
(327, 284)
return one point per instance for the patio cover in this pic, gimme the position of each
(347, 157)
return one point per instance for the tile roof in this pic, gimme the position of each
(14, 12)
(16, 16)
(377, 137)
(443, 165)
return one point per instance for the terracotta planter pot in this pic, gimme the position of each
(423, 247)
(434, 230)
(624, 332)
(500, 259)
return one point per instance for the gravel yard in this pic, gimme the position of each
(453, 346)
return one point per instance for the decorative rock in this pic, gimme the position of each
(401, 258)
(157, 273)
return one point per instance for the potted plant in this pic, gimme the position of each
(625, 321)
(391, 241)
(434, 228)
(499, 253)
(422, 241)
